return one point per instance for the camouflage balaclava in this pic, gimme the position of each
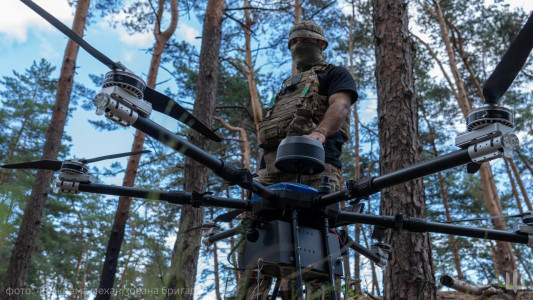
(307, 55)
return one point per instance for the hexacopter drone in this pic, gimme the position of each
(309, 215)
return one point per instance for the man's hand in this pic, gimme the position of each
(317, 136)
(338, 110)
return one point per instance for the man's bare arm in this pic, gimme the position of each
(338, 110)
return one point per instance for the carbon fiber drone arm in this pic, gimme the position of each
(174, 197)
(224, 170)
(421, 225)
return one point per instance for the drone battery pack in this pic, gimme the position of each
(274, 250)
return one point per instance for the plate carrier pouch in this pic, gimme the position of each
(297, 109)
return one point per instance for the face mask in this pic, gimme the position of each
(306, 55)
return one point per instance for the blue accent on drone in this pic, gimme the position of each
(289, 186)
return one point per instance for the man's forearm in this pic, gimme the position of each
(334, 118)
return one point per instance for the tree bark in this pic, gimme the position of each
(109, 269)
(409, 275)
(185, 253)
(21, 254)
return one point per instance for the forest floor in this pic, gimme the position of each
(453, 295)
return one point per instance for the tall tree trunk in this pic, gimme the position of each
(513, 187)
(215, 263)
(185, 253)
(520, 183)
(21, 254)
(232, 243)
(297, 19)
(524, 160)
(409, 275)
(80, 258)
(85, 265)
(250, 72)
(134, 234)
(357, 261)
(504, 257)
(444, 195)
(109, 268)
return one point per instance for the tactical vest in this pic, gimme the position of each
(296, 110)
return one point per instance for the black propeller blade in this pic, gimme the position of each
(229, 216)
(512, 61)
(45, 164)
(160, 102)
(86, 161)
(169, 107)
(55, 165)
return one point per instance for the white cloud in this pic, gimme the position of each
(137, 39)
(189, 34)
(47, 50)
(16, 18)
(145, 39)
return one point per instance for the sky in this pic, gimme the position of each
(26, 37)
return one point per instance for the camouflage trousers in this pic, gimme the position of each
(331, 171)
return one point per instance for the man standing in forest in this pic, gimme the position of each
(315, 102)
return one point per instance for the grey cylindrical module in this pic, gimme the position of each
(298, 153)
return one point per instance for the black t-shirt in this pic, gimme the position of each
(333, 80)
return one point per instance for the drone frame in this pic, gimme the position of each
(478, 146)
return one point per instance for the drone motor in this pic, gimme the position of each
(121, 98)
(490, 133)
(73, 167)
(487, 115)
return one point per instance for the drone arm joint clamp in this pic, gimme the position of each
(243, 178)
